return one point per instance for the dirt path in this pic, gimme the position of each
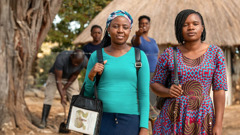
(231, 123)
(56, 115)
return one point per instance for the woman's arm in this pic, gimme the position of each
(88, 82)
(219, 88)
(97, 69)
(136, 41)
(161, 91)
(219, 105)
(143, 91)
(93, 69)
(161, 77)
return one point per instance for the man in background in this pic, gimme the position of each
(63, 77)
(96, 33)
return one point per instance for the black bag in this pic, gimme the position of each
(85, 103)
(90, 104)
(161, 100)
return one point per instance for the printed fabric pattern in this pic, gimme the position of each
(191, 113)
(117, 13)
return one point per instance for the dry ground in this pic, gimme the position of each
(34, 100)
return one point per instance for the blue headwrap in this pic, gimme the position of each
(119, 13)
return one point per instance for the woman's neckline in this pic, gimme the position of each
(118, 56)
(147, 40)
(197, 57)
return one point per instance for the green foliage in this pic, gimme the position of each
(81, 77)
(78, 11)
(45, 63)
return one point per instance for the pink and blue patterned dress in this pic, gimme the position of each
(192, 113)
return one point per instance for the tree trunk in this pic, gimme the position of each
(23, 27)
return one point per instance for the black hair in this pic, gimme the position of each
(96, 26)
(106, 41)
(77, 54)
(144, 16)
(180, 20)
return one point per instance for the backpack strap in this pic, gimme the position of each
(100, 60)
(176, 81)
(138, 63)
(100, 56)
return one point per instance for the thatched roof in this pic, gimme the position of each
(222, 19)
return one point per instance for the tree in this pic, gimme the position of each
(23, 27)
(80, 12)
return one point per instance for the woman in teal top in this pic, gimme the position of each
(125, 95)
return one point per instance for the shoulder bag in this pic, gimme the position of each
(85, 114)
(161, 100)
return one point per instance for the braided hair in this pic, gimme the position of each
(106, 41)
(180, 20)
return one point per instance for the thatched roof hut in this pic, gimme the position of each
(221, 18)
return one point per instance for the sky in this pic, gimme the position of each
(73, 25)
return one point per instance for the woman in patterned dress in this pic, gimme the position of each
(201, 66)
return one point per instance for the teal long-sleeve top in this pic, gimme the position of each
(118, 85)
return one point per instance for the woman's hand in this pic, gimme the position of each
(97, 69)
(139, 33)
(175, 91)
(143, 131)
(217, 130)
